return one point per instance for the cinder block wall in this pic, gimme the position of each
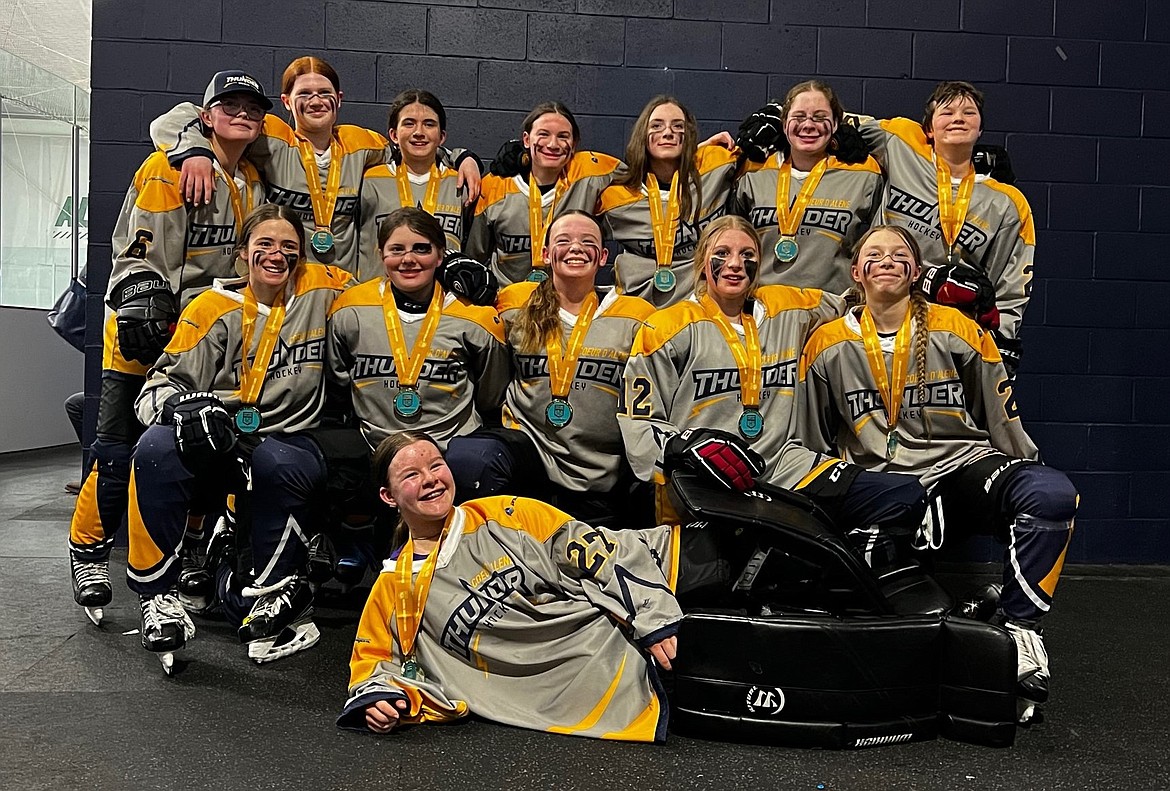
(1079, 91)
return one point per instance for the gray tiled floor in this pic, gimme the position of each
(87, 708)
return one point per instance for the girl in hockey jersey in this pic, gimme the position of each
(710, 382)
(901, 385)
(314, 167)
(417, 126)
(807, 206)
(976, 233)
(509, 609)
(672, 188)
(223, 406)
(551, 177)
(560, 441)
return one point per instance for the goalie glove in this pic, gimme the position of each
(468, 278)
(994, 161)
(511, 160)
(203, 427)
(146, 314)
(959, 286)
(762, 133)
(719, 455)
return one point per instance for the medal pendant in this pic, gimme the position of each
(559, 412)
(891, 444)
(247, 419)
(413, 670)
(537, 275)
(407, 403)
(321, 241)
(664, 279)
(786, 250)
(751, 423)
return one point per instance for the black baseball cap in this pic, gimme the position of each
(226, 82)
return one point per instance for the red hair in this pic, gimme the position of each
(308, 64)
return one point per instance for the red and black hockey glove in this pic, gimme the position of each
(719, 455)
(959, 286)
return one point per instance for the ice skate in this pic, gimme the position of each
(280, 621)
(1031, 671)
(91, 586)
(196, 583)
(166, 628)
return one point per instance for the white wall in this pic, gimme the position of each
(38, 371)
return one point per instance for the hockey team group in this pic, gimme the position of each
(332, 351)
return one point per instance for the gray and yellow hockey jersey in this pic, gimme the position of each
(190, 246)
(969, 409)
(586, 455)
(625, 211)
(206, 351)
(380, 196)
(500, 234)
(464, 374)
(533, 620)
(998, 236)
(841, 209)
(276, 155)
(682, 374)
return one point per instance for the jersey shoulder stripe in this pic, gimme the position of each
(591, 163)
(910, 133)
(276, 128)
(317, 276)
(870, 165)
(535, 518)
(825, 337)
(616, 196)
(198, 319)
(358, 138)
(627, 307)
(711, 157)
(378, 172)
(664, 324)
(515, 296)
(1027, 226)
(485, 317)
(157, 184)
(942, 318)
(363, 294)
(492, 190)
(778, 298)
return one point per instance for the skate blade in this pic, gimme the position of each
(197, 605)
(94, 614)
(170, 661)
(1028, 712)
(305, 636)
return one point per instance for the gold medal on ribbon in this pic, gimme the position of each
(789, 216)
(562, 364)
(252, 375)
(430, 199)
(665, 228)
(539, 219)
(411, 599)
(749, 359)
(324, 201)
(408, 365)
(952, 210)
(890, 386)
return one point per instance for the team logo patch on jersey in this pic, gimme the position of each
(302, 203)
(381, 366)
(604, 372)
(835, 221)
(211, 235)
(719, 381)
(948, 393)
(922, 217)
(482, 608)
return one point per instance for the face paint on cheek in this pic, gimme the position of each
(751, 266)
(257, 258)
(302, 102)
(717, 263)
(291, 259)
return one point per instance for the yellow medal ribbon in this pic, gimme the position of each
(239, 209)
(664, 227)
(563, 366)
(952, 213)
(891, 392)
(788, 217)
(749, 358)
(406, 189)
(409, 366)
(538, 219)
(252, 376)
(411, 600)
(324, 202)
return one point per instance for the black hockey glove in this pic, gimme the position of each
(994, 161)
(720, 455)
(1011, 350)
(848, 145)
(960, 286)
(762, 133)
(468, 278)
(146, 314)
(511, 160)
(203, 427)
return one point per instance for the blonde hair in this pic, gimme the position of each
(707, 239)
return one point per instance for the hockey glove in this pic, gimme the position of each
(468, 278)
(848, 145)
(959, 286)
(146, 314)
(1011, 350)
(203, 427)
(994, 161)
(720, 455)
(762, 133)
(511, 160)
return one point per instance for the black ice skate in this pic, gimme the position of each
(166, 627)
(91, 586)
(280, 622)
